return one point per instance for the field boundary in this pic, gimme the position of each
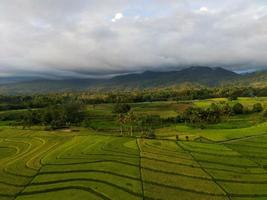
(140, 167)
(240, 138)
(213, 179)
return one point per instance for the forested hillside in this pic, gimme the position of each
(194, 77)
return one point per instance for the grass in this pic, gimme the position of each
(212, 134)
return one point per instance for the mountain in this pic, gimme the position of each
(48, 86)
(19, 79)
(196, 75)
(204, 76)
(254, 79)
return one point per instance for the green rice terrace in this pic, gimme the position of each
(176, 156)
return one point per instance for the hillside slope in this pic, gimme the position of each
(255, 79)
(204, 76)
(196, 75)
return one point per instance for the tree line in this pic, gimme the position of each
(74, 114)
(55, 116)
(149, 95)
(215, 112)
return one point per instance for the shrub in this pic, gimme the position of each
(257, 107)
(177, 137)
(226, 110)
(149, 121)
(196, 115)
(151, 134)
(55, 116)
(232, 97)
(247, 111)
(121, 108)
(238, 108)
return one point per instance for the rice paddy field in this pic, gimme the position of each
(223, 161)
(108, 167)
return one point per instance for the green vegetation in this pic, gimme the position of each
(189, 149)
(238, 108)
(257, 107)
(56, 116)
(192, 78)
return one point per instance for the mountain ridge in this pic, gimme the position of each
(195, 75)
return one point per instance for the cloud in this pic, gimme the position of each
(203, 9)
(117, 17)
(57, 37)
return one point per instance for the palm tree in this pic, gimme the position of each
(131, 120)
(121, 119)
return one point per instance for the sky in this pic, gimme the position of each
(84, 38)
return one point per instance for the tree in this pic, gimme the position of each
(151, 134)
(177, 137)
(30, 118)
(187, 138)
(74, 113)
(147, 123)
(56, 116)
(257, 107)
(226, 110)
(121, 108)
(238, 108)
(131, 120)
(232, 97)
(122, 120)
(193, 115)
(199, 116)
(213, 114)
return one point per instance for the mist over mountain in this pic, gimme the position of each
(18, 79)
(202, 76)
